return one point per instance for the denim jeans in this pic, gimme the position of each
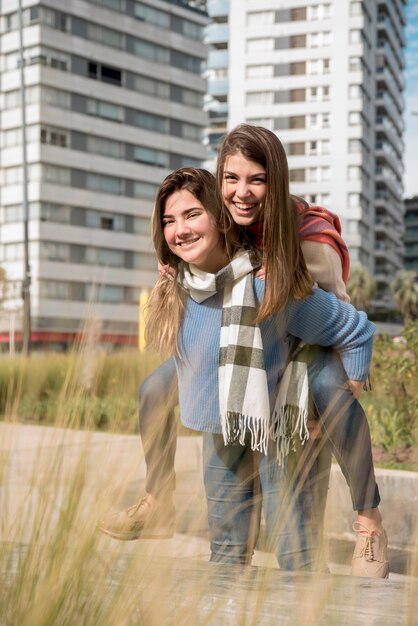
(237, 480)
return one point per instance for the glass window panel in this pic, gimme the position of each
(151, 15)
(145, 190)
(150, 156)
(151, 51)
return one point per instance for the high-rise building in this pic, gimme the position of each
(411, 233)
(114, 101)
(327, 77)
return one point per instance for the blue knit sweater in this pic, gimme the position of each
(321, 319)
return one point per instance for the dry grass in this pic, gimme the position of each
(56, 569)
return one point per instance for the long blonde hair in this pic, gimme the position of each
(165, 307)
(287, 277)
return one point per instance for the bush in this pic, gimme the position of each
(392, 407)
(95, 390)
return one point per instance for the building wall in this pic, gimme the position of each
(114, 97)
(411, 233)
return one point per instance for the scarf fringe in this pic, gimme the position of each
(288, 423)
(236, 426)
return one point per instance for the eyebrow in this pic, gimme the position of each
(256, 175)
(189, 210)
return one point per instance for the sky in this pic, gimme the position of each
(411, 98)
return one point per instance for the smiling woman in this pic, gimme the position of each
(244, 189)
(191, 232)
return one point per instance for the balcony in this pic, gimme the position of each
(217, 8)
(218, 88)
(218, 59)
(217, 35)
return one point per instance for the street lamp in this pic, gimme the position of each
(26, 274)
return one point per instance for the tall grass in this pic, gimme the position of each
(56, 569)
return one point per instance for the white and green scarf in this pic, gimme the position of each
(243, 391)
(290, 414)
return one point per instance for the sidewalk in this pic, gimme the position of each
(115, 465)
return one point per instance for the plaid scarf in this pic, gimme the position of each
(243, 391)
(290, 414)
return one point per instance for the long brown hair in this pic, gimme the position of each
(164, 310)
(287, 277)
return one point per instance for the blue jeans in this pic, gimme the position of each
(237, 480)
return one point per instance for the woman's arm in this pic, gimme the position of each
(325, 320)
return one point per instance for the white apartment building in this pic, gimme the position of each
(327, 77)
(114, 101)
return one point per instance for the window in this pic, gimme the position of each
(354, 91)
(105, 109)
(152, 87)
(104, 257)
(297, 121)
(259, 18)
(144, 261)
(105, 36)
(151, 122)
(54, 136)
(56, 175)
(353, 200)
(296, 148)
(56, 97)
(13, 136)
(49, 212)
(298, 67)
(151, 156)
(297, 176)
(313, 93)
(192, 98)
(297, 41)
(259, 71)
(192, 30)
(259, 97)
(145, 190)
(110, 293)
(52, 251)
(356, 8)
(104, 221)
(105, 73)
(54, 290)
(142, 226)
(354, 145)
(151, 51)
(354, 64)
(105, 147)
(298, 14)
(354, 118)
(297, 95)
(355, 36)
(267, 122)
(105, 184)
(191, 132)
(146, 13)
(313, 147)
(255, 46)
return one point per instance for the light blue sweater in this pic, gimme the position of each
(321, 319)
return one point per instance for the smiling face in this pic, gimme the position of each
(191, 234)
(244, 189)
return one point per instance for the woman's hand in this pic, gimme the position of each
(167, 271)
(356, 387)
(261, 273)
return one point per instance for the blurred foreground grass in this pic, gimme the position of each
(56, 569)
